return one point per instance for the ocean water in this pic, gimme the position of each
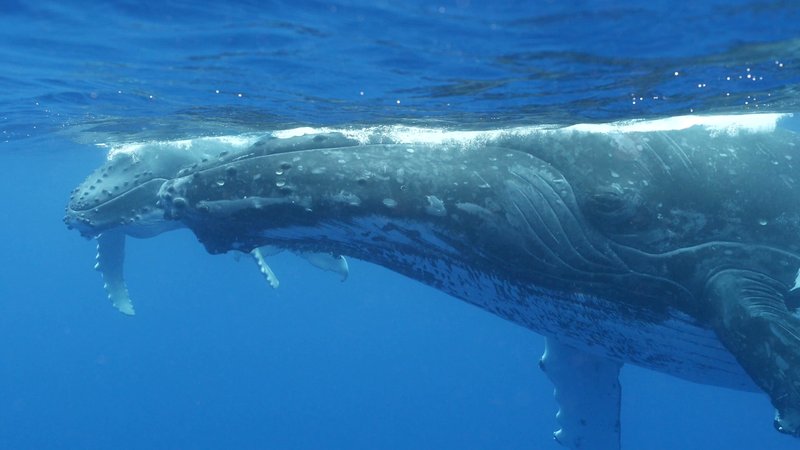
(217, 359)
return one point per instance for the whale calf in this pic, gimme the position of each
(672, 247)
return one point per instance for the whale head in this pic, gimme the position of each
(127, 195)
(121, 199)
(121, 195)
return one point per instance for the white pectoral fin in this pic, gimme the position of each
(269, 275)
(588, 394)
(324, 261)
(328, 261)
(110, 261)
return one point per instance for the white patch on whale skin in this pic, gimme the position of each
(796, 281)
(435, 206)
(346, 197)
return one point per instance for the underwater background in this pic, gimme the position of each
(214, 358)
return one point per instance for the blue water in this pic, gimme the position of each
(216, 359)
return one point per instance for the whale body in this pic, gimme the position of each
(672, 248)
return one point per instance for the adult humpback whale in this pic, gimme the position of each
(673, 248)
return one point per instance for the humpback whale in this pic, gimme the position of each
(669, 245)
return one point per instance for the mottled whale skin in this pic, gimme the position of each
(674, 250)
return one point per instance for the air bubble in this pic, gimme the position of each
(220, 182)
(762, 221)
(390, 202)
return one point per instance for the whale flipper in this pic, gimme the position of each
(329, 262)
(588, 394)
(110, 260)
(752, 320)
(264, 268)
(324, 261)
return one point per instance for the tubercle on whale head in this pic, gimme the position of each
(137, 213)
(121, 194)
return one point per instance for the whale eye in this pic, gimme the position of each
(614, 209)
(607, 202)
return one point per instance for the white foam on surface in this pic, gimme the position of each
(404, 134)
(205, 143)
(733, 123)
